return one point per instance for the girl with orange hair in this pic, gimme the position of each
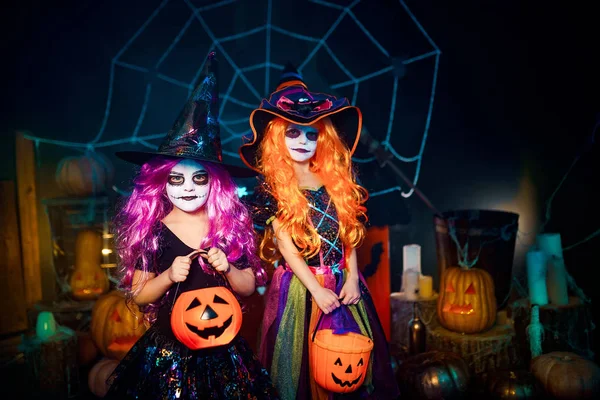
(312, 211)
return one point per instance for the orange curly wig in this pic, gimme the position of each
(332, 163)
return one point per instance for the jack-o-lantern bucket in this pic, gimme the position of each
(204, 318)
(339, 362)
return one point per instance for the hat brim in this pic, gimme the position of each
(347, 121)
(142, 157)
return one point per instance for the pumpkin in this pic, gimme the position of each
(98, 375)
(86, 349)
(86, 175)
(467, 300)
(510, 384)
(434, 375)
(339, 362)
(206, 317)
(88, 280)
(565, 375)
(116, 325)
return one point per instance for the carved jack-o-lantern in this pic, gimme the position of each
(205, 318)
(339, 362)
(116, 325)
(467, 303)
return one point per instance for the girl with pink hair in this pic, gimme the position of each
(183, 233)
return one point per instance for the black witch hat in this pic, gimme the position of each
(195, 134)
(293, 102)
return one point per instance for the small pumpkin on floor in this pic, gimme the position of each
(99, 374)
(434, 375)
(517, 384)
(87, 351)
(565, 376)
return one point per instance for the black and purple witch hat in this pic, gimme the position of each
(195, 134)
(293, 102)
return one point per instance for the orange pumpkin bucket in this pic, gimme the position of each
(339, 362)
(205, 318)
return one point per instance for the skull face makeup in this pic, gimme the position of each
(188, 185)
(301, 141)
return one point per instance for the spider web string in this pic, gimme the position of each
(196, 14)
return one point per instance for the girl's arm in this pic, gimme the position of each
(326, 299)
(350, 293)
(154, 288)
(353, 267)
(241, 280)
(157, 285)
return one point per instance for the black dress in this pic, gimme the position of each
(158, 366)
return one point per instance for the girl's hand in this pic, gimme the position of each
(350, 293)
(180, 268)
(326, 299)
(217, 259)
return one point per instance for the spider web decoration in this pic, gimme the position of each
(343, 47)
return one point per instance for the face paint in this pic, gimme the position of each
(301, 142)
(188, 185)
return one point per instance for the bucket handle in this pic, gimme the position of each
(360, 314)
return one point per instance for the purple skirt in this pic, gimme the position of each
(289, 323)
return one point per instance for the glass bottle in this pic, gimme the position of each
(416, 333)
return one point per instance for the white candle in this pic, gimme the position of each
(556, 281)
(550, 243)
(412, 257)
(411, 280)
(425, 286)
(536, 277)
(411, 261)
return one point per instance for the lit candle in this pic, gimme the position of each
(536, 277)
(411, 280)
(425, 286)
(556, 280)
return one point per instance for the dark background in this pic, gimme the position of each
(516, 101)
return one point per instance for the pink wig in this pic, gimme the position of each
(138, 223)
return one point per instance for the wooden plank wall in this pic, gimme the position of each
(28, 218)
(14, 317)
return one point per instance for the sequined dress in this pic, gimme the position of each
(291, 316)
(159, 367)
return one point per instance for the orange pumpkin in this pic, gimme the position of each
(85, 175)
(205, 318)
(88, 280)
(339, 362)
(467, 300)
(116, 325)
(98, 375)
(86, 349)
(565, 375)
